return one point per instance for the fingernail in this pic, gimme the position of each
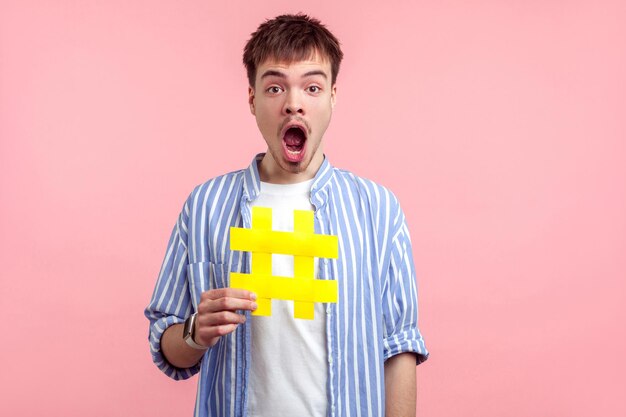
(254, 306)
(252, 296)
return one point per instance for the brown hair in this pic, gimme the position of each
(291, 38)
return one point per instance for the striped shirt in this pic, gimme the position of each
(375, 316)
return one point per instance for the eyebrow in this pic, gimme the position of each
(274, 73)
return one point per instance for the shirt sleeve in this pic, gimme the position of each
(171, 301)
(400, 299)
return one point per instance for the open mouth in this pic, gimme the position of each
(294, 140)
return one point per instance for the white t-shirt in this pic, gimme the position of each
(289, 368)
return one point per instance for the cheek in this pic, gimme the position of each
(266, 110)
(323, 107)
(323, 113)
(261, 112)
(266, 123)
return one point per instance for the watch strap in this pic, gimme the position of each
(190, 330)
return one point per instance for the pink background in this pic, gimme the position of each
(501, 126)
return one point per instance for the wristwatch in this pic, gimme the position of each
(189, 331)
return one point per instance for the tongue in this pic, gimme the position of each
(294, 137)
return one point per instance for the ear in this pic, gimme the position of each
(333, 96)
(251, 100)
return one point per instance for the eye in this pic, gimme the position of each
(274, 89)
(314, 89)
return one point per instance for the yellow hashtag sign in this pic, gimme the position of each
(303, 244)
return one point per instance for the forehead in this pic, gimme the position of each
(314, 61)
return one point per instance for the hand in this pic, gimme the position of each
(217, 314)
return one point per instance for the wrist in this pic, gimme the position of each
(189, 332)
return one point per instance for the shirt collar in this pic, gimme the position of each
(319, 188)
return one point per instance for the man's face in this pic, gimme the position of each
(293, 104)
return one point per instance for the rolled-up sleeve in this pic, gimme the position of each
(400, 299)
(171, 300)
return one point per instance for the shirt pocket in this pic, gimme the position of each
(205, 276)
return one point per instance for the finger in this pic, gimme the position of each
(217, 293)
(219, 319)
(206, 335)
(226, 304)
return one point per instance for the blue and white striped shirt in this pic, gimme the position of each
(376, 313)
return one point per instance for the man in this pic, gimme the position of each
(357, 356)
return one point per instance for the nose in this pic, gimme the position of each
(293, 104)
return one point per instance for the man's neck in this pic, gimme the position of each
(271, 172)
